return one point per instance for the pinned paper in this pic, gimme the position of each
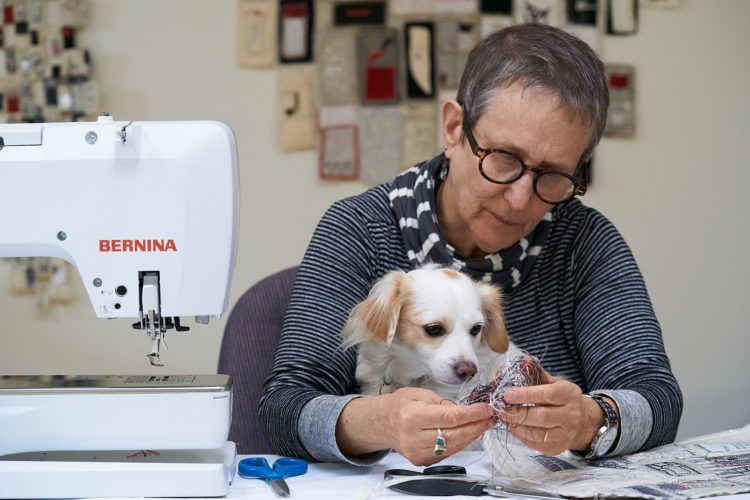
(338, 149)
(74, 13)
(359, 13)
(550, 12)
(380, 138)
(583, 12)
(295, 31)
(456, 6)
(295, 108)
(623, 17)
(378, 65)
(336, 63)
(420, 63)
(256, 33)
(621, 114)
(44, 73)
(411, 7)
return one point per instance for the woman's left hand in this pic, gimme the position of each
(558, 417)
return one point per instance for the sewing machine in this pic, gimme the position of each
(147, 212)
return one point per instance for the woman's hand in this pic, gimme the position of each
(407, 421)
(559, 417)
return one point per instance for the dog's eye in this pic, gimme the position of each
(434, 329)
(476, 329)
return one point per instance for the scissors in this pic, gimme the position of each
(257, 467)
(450, 480)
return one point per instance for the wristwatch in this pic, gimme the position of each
(607, 434)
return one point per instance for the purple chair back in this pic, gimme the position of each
(249, 345)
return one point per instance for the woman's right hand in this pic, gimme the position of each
(408, 421)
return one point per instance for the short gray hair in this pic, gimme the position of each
(540, 57)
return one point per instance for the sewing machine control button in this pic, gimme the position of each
(121, 290)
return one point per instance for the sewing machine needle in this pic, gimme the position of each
(153, 356)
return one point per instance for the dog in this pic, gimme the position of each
(431, 327)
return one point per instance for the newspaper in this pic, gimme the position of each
(717, 464)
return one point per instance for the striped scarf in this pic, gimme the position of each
(413, 203)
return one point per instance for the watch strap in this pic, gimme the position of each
(611, 424)
(610, 416)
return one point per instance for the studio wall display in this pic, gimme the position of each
(380, 70)
(45, 76)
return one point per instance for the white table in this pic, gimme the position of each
(340, 481)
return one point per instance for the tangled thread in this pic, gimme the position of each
(510, 457)
(523, 370)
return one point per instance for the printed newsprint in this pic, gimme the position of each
(705, 466)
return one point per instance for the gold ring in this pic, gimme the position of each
(545, 435)
(439, 443)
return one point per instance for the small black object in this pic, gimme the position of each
(435, 486)
(438, 481)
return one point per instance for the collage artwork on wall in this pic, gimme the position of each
(361, 82)
(44, 75)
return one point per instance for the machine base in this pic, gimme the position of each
(145, 473)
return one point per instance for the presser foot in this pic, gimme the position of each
(153, 356)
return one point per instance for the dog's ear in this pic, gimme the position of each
(493, 332)
(378, 314)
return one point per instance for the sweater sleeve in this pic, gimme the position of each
(620, 340)
(310, 366)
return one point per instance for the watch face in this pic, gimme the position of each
(605, 441)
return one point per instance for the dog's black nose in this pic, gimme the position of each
(465, 369)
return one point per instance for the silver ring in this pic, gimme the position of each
(439, 443)
(545, 435)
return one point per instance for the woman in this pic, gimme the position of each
(499, 205)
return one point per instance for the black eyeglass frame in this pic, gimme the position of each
(579, 184)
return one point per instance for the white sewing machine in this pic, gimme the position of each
(148, 214)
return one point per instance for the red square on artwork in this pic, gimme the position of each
(14, 103)
(380, 84)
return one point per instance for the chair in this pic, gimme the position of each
(250, 339)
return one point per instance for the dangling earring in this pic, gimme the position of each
(444, 165)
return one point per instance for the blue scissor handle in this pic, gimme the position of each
(290, 467)
(254, 467)
(283, 467)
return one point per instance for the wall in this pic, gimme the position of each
(677, 191)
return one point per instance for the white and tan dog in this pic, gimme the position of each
(431, 328)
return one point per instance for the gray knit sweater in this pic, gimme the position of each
(583, 309)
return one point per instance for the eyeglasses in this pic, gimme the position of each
(503, 167)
